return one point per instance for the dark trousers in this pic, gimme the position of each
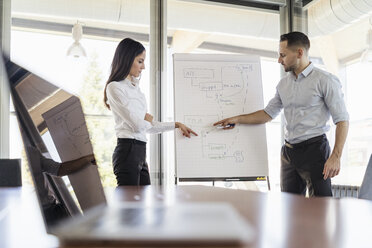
(129, 161)
(55, 212)
(302, 167)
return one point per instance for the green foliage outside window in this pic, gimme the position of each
(99, 120)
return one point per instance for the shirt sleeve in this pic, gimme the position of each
(159, 127)
(275, 105)
(49, 165)
(334, 99)
(124, 107)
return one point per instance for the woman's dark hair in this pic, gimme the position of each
(125, 54)
(296, 39)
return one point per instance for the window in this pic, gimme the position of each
(358, 148)
(39, 42)
(41, 34)
(342, 59)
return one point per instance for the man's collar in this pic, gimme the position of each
(307, 70)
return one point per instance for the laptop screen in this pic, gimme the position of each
(51, 121)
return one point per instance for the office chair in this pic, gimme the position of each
(366, 187)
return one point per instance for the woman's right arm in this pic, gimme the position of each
(123, 106)
(186, 131)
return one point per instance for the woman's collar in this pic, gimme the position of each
(132, 81)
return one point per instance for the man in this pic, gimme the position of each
(54, 211)
(309, 96)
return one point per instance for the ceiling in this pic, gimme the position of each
(335, 31)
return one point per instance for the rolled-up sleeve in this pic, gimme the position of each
(334, 99)
(274, 107)
(50, 166)
(121, 103)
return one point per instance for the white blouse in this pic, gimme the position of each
(129, 107)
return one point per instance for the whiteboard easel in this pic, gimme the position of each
(208, 88)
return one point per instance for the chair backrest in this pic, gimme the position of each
(10, 173)
(366, 187)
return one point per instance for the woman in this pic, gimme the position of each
(124, 98)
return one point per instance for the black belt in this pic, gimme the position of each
(306, 142)
(130, 141)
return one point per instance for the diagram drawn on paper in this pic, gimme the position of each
(225, 88)
(209, 89)
(66, 124)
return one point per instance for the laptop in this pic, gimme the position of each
(41, 107)
(37, 102)
(133, 223)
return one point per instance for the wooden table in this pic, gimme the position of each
(279, 219)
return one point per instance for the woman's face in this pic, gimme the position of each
(138, 65)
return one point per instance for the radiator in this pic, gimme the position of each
(340, 191)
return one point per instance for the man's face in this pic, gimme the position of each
(288, 57)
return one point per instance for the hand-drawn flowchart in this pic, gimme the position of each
(209, 88)
(68, 129)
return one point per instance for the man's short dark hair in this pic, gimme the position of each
(295, 39)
